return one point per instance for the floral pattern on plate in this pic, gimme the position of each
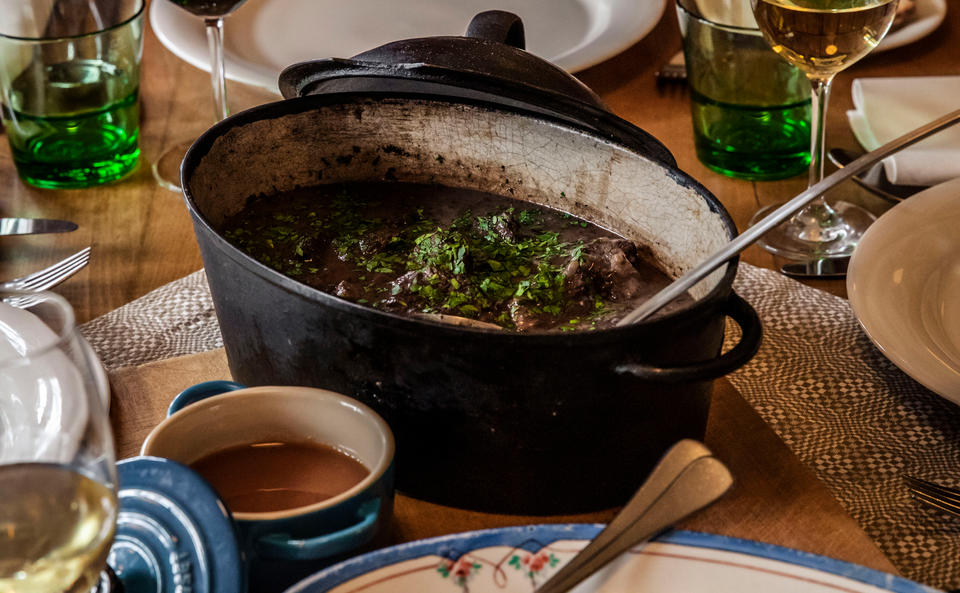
(519, 559)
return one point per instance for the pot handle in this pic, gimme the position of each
(280, 546)
(498, 25)
(195, 393)
(744, 315)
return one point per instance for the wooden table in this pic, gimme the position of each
(142, 238)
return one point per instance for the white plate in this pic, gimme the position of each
(516, 559)
(264, 36)
(904, 286)
(927, 16)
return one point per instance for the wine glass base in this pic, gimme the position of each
(785, 239)
(166, 169)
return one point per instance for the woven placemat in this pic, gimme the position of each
(173, 320)
(841, 407)
(856, 419)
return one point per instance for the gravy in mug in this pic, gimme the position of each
(275, 476)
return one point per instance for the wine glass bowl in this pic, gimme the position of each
(821, 38)
(823, 43)
(166, 169)
(57, 462)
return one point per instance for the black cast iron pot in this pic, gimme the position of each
(490, 420)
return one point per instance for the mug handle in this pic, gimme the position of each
(283, 547)
(200, 391)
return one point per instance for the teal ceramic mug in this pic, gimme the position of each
(283, 546)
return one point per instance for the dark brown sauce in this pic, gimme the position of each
(409, 248)
(264, 477)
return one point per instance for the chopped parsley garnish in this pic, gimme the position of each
(502, 265)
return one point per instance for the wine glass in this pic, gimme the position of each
(166, 169)
(58, 483)
(821, 37)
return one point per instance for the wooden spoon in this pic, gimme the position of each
(685, 480)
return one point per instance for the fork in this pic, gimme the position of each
(934, 495)
(675, 70)
(51, 276)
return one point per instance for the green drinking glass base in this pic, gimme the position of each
(78, 175)
(757, 142)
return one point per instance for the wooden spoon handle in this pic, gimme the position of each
(687, 479)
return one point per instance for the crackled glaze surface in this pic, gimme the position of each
(470, 146)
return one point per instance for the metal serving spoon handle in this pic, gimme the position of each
(749, 236)
(687, 479)
(874, 180)
(457, 320)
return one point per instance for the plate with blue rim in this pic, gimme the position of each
(518, 559)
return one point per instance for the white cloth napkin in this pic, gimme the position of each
(886, 108)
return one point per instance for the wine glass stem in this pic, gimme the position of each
(818, 137)
(214, 28)
(817, 221)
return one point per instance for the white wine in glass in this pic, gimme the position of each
(821, 37)
(58, 486)
(166, 169)
(59, 526)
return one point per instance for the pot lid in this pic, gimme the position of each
(492, 48)
(488, 63)
(172, 531)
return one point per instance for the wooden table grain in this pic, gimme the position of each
(142, 236)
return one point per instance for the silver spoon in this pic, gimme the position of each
(875, 180)
(748, 237)
(687, 479)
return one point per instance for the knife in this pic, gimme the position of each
(818, 268)
(31, 226)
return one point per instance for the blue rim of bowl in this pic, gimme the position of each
(534, 537)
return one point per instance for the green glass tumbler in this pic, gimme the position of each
(69, 84)
(750, 108)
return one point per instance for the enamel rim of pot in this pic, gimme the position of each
(714, 292)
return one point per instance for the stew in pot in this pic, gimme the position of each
(410, 249)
